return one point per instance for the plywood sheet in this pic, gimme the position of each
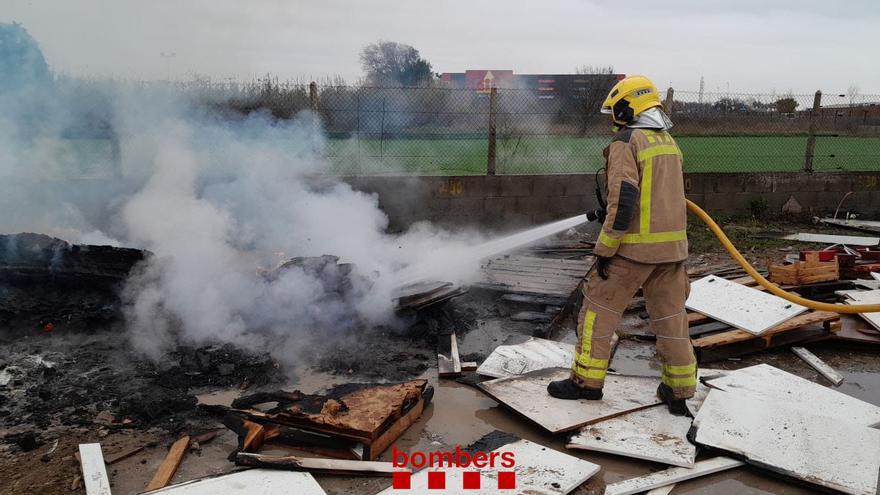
(785, 389)
(539, 470)
(671, 475)
(740, 306)
(833, 454)
(533, 354)
(527, 395)
(249, 482)
(651, 434)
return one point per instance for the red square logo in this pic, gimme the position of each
(470, 480)
(400, 480)
(506, 480)
(436, 480)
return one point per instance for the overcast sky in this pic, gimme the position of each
(746, 45)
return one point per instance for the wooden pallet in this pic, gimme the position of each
(811, 326)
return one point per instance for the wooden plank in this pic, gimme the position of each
(125, 454)
(469, 365)
(93, 470)
(663, 490)
(539, 291)
(317, 465)
(671, 475)
(448, 360)
(393, 432)
(536, 300)
(169, 464)
(577, 271)
(532, 316)
(733, 336)
(525, 260)
(818, 365)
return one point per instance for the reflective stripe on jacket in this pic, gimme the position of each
(647, 215)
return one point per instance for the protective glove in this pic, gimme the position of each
(602, 263)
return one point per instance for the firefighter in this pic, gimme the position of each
(642, 244)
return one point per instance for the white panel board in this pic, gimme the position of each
(93, 469)
(740, 306)
(248, 482)
(533, 354)
(671, 475)
(867, 297)
(527, 395)
(539, 470)
(850, 240)
(663, 490)
(785, 389)
(702, 391)
(868, 225)
(833, 454)
(651, 434)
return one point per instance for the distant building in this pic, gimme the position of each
(546, 86)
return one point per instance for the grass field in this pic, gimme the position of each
(526, 155)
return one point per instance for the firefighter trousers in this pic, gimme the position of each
(665, 287)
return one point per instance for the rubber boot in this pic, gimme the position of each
(567, 389)
(677, 407)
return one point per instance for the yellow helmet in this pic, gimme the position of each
(629, 97)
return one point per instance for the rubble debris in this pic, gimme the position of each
(828, 452)
(418, 296)
(54, 285)
(805, 272)
(663, 490)
(854, 330)
(652, 434)
(316, 465)
(785, 389)
(93, 471)
(247, 482)
(809, 327)
(527, 395)
(372, 415)
(533, 354)
(671, 476)
(742, 307)
(704, 376)
(170, 464)
(819, 365)
(538, 469)
(448, 360)
(532, 316)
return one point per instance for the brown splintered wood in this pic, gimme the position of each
(316, 465)
(169, 464)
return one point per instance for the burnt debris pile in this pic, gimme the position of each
(49, 282)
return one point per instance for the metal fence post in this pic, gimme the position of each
(667, 105)
(313, 96)
(493, 108)
(811, 137)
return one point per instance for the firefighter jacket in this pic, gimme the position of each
(646, 214)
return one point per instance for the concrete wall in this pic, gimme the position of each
(511, 201)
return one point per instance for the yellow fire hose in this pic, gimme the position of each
(772, 288)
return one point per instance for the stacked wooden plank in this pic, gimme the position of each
(532, 275)
(805, 272)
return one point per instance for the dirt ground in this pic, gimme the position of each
(60, 389)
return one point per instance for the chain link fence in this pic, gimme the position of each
(440, 131)
(445, 131)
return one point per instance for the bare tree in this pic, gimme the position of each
(590, 98)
